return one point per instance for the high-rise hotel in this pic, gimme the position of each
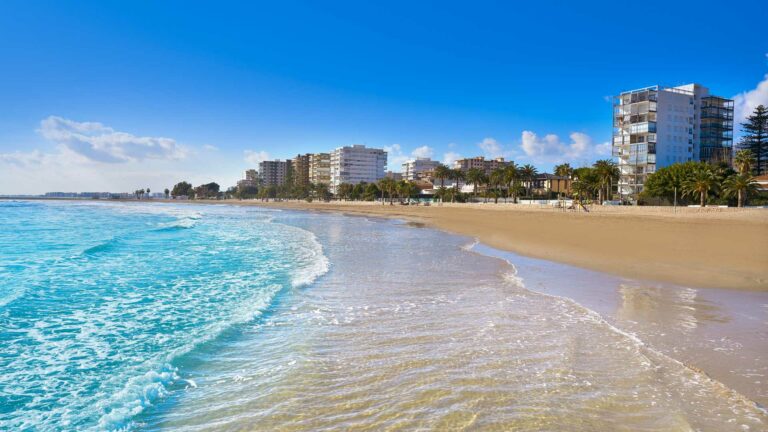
(656, 126)
(356, 164)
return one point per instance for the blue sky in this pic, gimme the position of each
(123, 95)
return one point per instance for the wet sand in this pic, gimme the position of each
(714, 248)
(722, 333)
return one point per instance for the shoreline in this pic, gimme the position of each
(716, 249)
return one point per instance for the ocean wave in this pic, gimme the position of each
(138, 394)
(185, 220)
(513, 279)
(317, 263)
(104, 246)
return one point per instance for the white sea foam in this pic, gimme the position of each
(511, 276)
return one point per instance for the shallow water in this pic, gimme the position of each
(409, 329)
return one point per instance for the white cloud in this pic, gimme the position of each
(84, 157)
(491, 148)
(254, 157)
(209, 147)
(395, 157)
(22, 159)
(550, 148)
(423, 152)
(450, 157)
(100, 143)
(746, 102)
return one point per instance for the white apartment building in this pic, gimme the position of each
(479, 162)
(656, 126)
(412, 168)
(356, 164)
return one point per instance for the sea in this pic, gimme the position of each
(184, 317)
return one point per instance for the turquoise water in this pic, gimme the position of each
(158, 317)
(97, 301)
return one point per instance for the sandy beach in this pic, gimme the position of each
(711, 248)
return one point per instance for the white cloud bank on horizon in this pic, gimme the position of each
(550, 149)
(101, 143)
(89, 156)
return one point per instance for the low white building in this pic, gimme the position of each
(356, 164)
(412, 168)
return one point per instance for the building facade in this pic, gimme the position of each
(488, 166)
(300, 170)
(320, 168)
(546, 184)
(412, 169)
(654, 127)
(251, 179)
(274, 173)
(356, 164)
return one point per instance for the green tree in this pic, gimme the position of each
(744, 161)
(457, 175)
(755, 138)
(495, 181)
(476, 177)
(388, 185)
(181, 189)
(511, 179)
(371, 192)
(528, 173)
(607, 173)
(406, 189)
(586, 182)
(344, 191)
(167, 193)
(442, 172)
(741, 186)
(564, 170)
(702, 181)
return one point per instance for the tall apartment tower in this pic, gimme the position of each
(274, 173)
(412, 168)
(356, 164)
(300, 170)
(320, 168)
(656, 126)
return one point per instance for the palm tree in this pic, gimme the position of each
(582, 188)
(528, 172)
(740, 185)
(476, 176)
(607, 172)
(744, 161)
(456, 175)
(167, 193)
(405, 189)
(442, 172)
(563, 170)
(148, 192)
(387, 184)
(701, 182)
(511, 175)
(495, 180)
